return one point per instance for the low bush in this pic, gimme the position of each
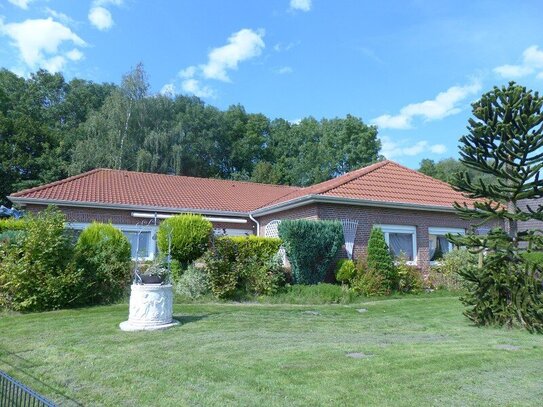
(444, 275)
(190, 237)
(102, 253)
(193, 283)
(243, 265)
(37, 271)
(370, 282)
(345, 271)
(409, 277)
(311, 246)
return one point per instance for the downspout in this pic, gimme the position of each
(257, 224)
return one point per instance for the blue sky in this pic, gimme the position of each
(411, 67)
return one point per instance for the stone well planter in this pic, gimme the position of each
(151, 307)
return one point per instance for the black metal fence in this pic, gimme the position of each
(16, 394)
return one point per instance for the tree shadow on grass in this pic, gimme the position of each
(30, 380)
(187, 319)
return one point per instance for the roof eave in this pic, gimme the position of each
(308, 199)
(98, 205)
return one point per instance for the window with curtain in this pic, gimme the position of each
(401, 240)
(439, 245)
(401, 244)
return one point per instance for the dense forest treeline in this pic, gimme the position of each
(51, 128)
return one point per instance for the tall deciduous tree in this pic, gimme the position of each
(505, 140)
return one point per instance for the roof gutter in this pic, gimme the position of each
(309, 199)
(79, 204)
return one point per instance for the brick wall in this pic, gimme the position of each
(368, 216)
(302, 212)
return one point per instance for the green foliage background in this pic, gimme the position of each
(51, 128)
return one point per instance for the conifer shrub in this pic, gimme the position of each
(102, 253)
(190, 237)
(311, 246)
(380, 264)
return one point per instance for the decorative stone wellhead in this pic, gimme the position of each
(151, 305)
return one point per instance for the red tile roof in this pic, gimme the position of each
(385, 181)
(105, 186)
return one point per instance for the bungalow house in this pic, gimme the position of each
(414, 211)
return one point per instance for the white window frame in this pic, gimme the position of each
(151, 248)
(412, 230)
(441, 231)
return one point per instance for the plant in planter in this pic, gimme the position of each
(156, 273)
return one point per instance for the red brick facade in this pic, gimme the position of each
(367, 216)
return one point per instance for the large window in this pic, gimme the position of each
(142, 239)
(139, 243)
(439, 244)
(401, 240)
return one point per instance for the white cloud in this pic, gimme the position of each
(532, 61)
(302, 5)
(74, 55)
(21, 3)
(54, 64)
(242, 45)
(59, 16)
(394, 149)
(285, 70)
(193, 86)
(188, 72)
(39, 40)
(100, 17)
(168, 89)
(443, 105)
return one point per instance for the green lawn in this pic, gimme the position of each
(412, 351)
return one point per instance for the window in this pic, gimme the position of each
(139, 245)
(145, 244)
(401, 240)
(439, 244)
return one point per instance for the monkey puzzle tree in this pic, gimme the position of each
(505, 140)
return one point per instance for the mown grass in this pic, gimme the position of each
(411, 351)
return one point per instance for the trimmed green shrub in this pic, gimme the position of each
(345, 271)
(311, 246)
(444, 275)
(379, 261)
(102, 252)
(190, 237)
(37, 272)
(409, 277)
(11, 224)
(243, 265)
(193, 283)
